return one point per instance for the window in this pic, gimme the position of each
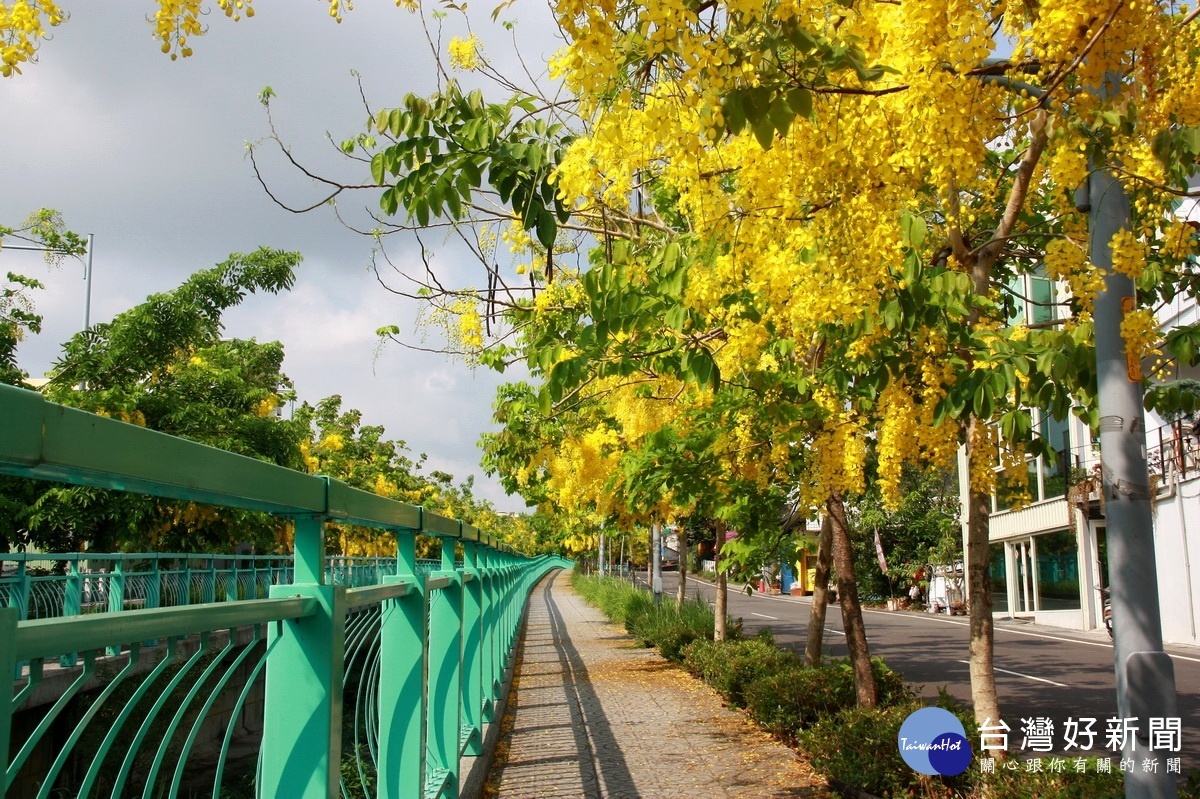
(1057, 571)
(998, 570)
(1034, 300)
(1046, 480)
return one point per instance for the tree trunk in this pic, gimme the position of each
(979, 588)
(816, 616)
(852, 621)
(722, 606)
(683, 544)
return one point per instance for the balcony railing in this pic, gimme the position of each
(1173, 451)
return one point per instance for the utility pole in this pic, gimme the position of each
(600, 554)
(656, 562)
(1145, 675)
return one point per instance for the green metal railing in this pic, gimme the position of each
(374, 679)
(42, 585)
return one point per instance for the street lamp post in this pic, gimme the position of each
(87, 271)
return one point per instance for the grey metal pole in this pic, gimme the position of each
(656, 562)
(87, 291)
(1145, 676)
(87, 272)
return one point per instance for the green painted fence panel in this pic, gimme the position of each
(429, 644)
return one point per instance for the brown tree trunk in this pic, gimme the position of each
(852, 621)
(979, 589)
(816, 616)
(722, 607)
(682, 543)
(979, 264)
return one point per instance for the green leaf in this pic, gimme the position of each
(914, 229)
(547, 228)
(799, 100)
(780, 116)
(734, 110)
(891, 314)
(764, 131)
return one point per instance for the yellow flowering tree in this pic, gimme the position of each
(866, 179)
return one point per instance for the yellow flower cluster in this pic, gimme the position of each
(580, 468)
(470, 325)
(983, 450)
(1142, 335)
(1065, 260)
(22, 26)
(333, 442)
(1177, 240)
(174, 22)
(1128, 254)
(266, 407)
(465, 54)
(312, 464)
(906, 433)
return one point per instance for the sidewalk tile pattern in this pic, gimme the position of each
(595, 717)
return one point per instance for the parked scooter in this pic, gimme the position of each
(1106, 609)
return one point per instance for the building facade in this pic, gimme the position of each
(1049, 557)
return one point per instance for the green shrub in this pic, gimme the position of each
(730, 666)
(663, 626)
(857, 746)
(786, 702)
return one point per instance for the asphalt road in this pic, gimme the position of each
(1041, 671)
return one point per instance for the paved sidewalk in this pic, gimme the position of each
(592, 716)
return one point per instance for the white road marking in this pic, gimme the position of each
(1019, 674)
(835, 632)
(764, 616)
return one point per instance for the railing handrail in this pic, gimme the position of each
(43, 638)
(44, 440)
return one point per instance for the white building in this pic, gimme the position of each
(1050, 558)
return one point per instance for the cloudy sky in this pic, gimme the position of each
(150, 156)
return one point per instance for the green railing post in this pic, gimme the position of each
(73, 590)
(444, 691)
(22, 591)
(231, 582)
(72, 604)
(187, 582)
(402, 700)
(116, 593)
(210, 582)
(472, 648)
(488, 620)
(8, 665)
(302, 729)
(154, 587)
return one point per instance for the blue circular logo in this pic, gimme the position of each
(933, 741)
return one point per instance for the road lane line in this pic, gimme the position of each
(1026, 676)
(764, 616)
(835, 632)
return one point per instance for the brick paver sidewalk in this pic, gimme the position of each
(592, 716)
